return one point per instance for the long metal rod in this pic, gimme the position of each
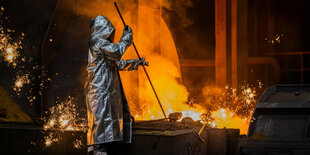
(147, 75)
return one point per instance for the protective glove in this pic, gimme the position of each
(127, 29)
(143, 62)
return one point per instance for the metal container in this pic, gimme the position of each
(280, 122)
(175, 138)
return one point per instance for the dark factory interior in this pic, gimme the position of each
(225, 77)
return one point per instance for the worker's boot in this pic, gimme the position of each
(100, 153)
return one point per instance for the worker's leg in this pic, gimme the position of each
(97, 150)
(100, 149)
(90, 150)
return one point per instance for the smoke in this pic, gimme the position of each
(154, 42)
(92, 8)
(192, 26)
(172, 94)
(175, 12)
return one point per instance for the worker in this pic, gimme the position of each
(109, 118)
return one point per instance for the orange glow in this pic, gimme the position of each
(48, 142)
(52, 123)
(9, 50)
(19, 84)
(9, 47)
(64, 123)
(64, 116)
(164, 69)
(21, 80)
(69, 127)
(77, 144)
(49, 139)
(230, 109)
(227, 107)
(11, 55)
(223, 118)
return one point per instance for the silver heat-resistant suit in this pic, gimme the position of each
(108, 112)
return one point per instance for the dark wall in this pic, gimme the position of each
(290, 19)
(65, 57)
(30, 17)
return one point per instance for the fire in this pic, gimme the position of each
(10, 54)
(18, 84)
(225, 107)
(52, 123)
(69, 127)
(21, 80)
(50, 139)
(173, 95)
(251, 95)
(224, 118)
(230, 109)
(9, 47)
(64, 116)
(194, 114)
(164, 70)
(48, 142)
(9, 57)
(277, 38)
(9, 50)
(64, 123)
(77, 144)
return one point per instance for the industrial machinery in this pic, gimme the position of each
(279, 126)
(280, 123)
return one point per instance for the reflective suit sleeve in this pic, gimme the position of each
(117, 50)
(131, 64)
(128, 65)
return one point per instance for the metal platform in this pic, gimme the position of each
(29, 139)
(171, 138)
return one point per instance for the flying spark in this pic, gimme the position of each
(63, 117)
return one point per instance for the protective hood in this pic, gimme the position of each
(101, 27)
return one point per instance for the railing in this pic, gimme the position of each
(301, 62)
(251, 61)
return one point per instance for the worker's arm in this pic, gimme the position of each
(131, 64)
(116, 51)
